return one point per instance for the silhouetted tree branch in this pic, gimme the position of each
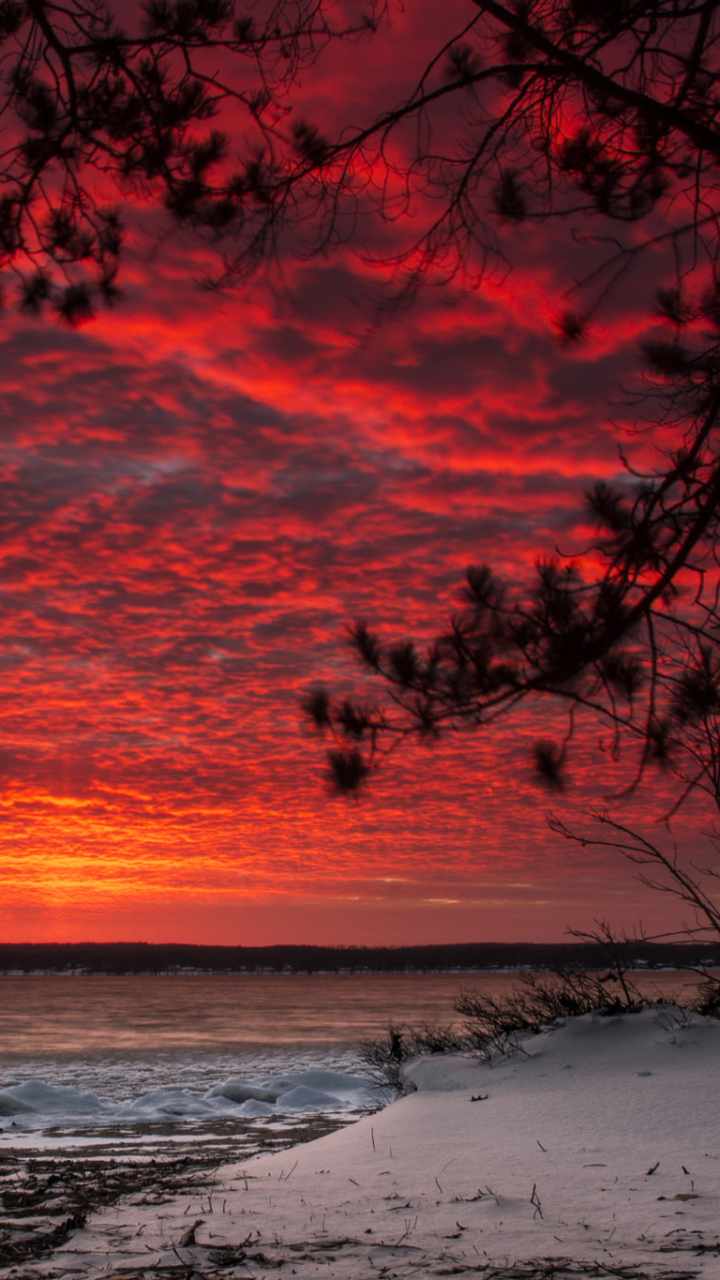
(542, 108)
(694, 886)
(607, 114)
(636, 644)
(96, 111)
(539, 109)
(690, 883)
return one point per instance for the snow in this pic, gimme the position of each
(597, 1145)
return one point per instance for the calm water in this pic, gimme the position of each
(86, 1016)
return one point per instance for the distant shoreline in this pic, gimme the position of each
(120, 958)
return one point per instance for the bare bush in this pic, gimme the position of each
(387, 1056)
(497, 1025)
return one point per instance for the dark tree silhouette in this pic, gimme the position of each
(98, 116)
(584, 108)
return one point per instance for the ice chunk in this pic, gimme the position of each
(334, 1081)
(35, 1095)
(12, 1106)
(244, 1090)
(252, 1108)
(168, 1102)
(301, 1098)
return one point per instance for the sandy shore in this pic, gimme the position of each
(594, 1152)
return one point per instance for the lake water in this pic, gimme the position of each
(58, 1016)
(87, 1015)
(152, 1056)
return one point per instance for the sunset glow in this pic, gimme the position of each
(200, 492)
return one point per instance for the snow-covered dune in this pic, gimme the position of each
(598, 1146)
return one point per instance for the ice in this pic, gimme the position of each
(11, 1105)
(333, 1081)
(243, 1090)
(143, 1092)
(300, 1090)
(254, 1109)
(166, 1102)
(41, 1098)
(303, 1099)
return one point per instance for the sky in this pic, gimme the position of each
(201, 490)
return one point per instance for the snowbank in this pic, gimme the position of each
(599, 1145)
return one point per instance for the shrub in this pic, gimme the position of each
(497, 1025)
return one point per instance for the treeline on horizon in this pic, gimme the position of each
(169, 958)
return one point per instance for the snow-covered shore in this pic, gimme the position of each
(594, 1151)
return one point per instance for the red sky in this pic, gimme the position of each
(199, 492)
